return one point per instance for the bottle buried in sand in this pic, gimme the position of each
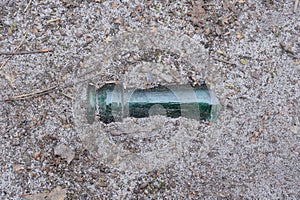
(112, 103)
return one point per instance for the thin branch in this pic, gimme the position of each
(68, 96)
(27, 6)
(18, 47)
(286, 48)
(296, 5)
(53, 20)
(224, 61)
(27, 52)
(33, 94)
(43, 92)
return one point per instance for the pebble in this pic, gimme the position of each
(172, 184)
(143, 185)
(103, 184)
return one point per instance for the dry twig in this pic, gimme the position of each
(27, 5)
(53, 20)
(26, 52)
(224, 61)
(44, 91)
(296, 5)
(18, 47)
(68, 96)
(33, 94)
(286, 48)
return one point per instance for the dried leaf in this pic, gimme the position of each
(57, 194)
(199, 13)
(65, 152)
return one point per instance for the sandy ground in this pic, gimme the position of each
(247, 51)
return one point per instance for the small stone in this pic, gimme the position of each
(220, 52)
(79, 33)
(172, 184)
(88, 40)
(113, 175)
(95, 175)
(255, 75)
(243, 61)
(103, 179)
(37, 155)
(166, 77)
(207, 31)
(119, 21)
(15, 142)
(79, 179)
(103, 184)
(45, 168)
(138, 8)
(113, 5)
(18, 168)
(273, 139)
(143, 185)
(9, 31)
(65, 152)
(294, 129)
(239, 36)
(218, 30)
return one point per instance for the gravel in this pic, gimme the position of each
(248, 52)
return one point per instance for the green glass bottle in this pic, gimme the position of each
(112, 102)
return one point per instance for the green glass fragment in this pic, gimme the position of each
(113, 103)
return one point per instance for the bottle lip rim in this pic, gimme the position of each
(215, 106)
(90, 103)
